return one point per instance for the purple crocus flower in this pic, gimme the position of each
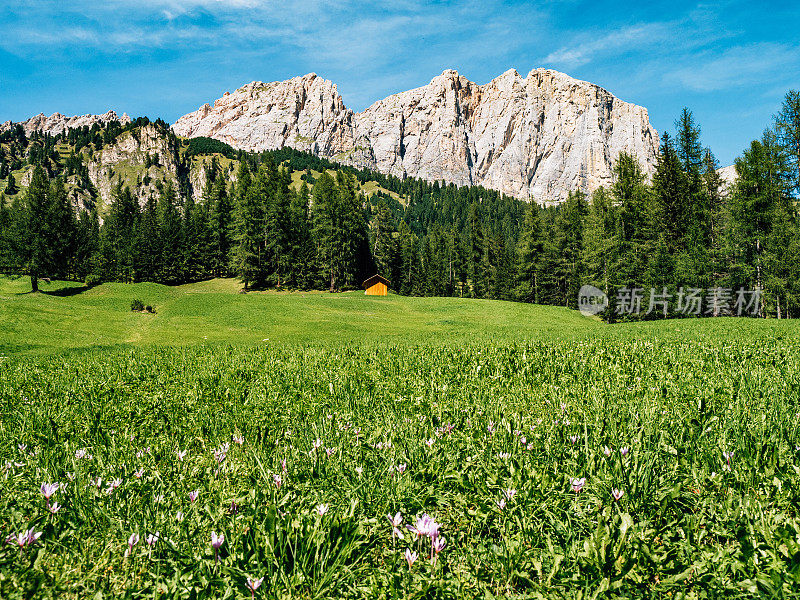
(48, 489)
(193, 495)
(216, 542)
(396, 521)
(616, 494)
(253, 585)
(411, 557)
(132, 541)
(577, 484)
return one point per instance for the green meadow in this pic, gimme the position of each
(312, 445)
(70, 316)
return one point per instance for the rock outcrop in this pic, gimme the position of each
(126, 160)
(728, 176)
(56, 123)
(534, 138)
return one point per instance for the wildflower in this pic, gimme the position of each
(283, 465)
(54, 508)
(607, 451)
(26, 538)
(158, 498)
(181, 454)
(396, 521)
(330, 451)
(152, 539)
(359, 470)
(112, 485)
(616, 494)
(523, 440)
(98, 483)
(238, 439)
(437, 545)
(425, 526)
(83, 453)
(624, 451)
(501, 504)
(179, 516)
(48, 489)
(277, 480)
(510, 493)
(429, 442)
(577, 484)
(71, 476)
(411, 557)
(233, 509)
(728, 456)
(504, 455)
(401, 468)
(22, 447)
(530, 446)
(216, 542)
(193, 496)
(221, 453)
(573, 439)
(321, 509)
(132, 541)
(490, 427)
(138, 474)
(253, 585)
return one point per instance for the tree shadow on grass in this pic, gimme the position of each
(66, 292)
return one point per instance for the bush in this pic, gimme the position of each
(93, 279)
(137, 306)
(150, 309)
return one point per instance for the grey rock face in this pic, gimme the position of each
(534, 138)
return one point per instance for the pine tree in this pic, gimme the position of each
(476, 250)
(600, 241)
(303, 267)
(761, 197)
(220, 224)
(62, 229)
(787, 129)
(383, 240)
(118, 236)
(248, 231)
(170, 229)
(11, 185)
(530, 256)
(33, 232)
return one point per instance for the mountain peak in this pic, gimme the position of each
(538, 137)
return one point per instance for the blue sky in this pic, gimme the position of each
(730, 62)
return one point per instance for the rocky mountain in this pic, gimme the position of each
(728, 176)
(535, 138)
(56, 123)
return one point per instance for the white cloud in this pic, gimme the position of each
(759, 65)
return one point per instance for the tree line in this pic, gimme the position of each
(682, 228)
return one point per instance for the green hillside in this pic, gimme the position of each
(69, 316)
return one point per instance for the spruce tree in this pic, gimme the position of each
(34, 231)
(787, 129)
(248, 230)
(383, 240)
(530, 256)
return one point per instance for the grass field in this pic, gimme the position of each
(68, 316)
(559, 457)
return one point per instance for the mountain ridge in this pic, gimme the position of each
(534, 138)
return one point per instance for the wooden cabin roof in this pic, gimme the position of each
(375, 279)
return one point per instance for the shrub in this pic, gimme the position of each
(150, 309)
(93, 279)
(137, 305)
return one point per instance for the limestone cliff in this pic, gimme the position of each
(534, 138)
(56, 123)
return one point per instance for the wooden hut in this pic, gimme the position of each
(376, 286)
